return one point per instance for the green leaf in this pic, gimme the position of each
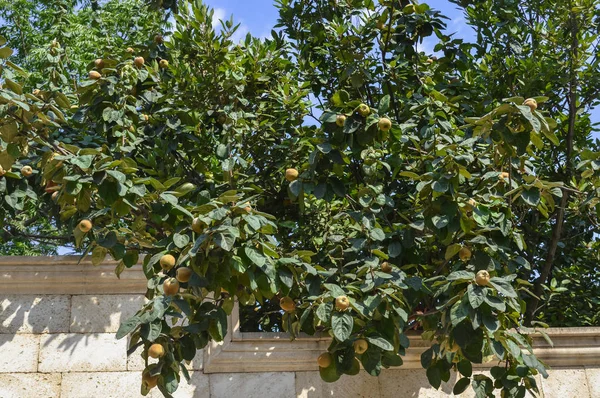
(465, 367)
(434, 376)
(381, 343)
(5, 52)
(180, 240)
(531, 196)
(171, 381)
(377, 234)
(218, 325)
(394, 249)
(335, 290)
(384, 105)
(461, 385)
(426, 358)
(495, 302)
(342, 324)
(151, 331)
(461, 276)
(452, 251)
(99, 255)
(128, 326)
(255, 256)
(371, 360)
(503, 287)
(476, 295)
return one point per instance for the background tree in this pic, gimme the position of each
(401, 208)
(551, 48)
(56, 41)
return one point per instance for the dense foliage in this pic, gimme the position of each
(426, 193)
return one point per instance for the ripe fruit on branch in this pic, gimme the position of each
(171, 287)
(94, 75)
(464, 254)
(26, 171)
(384, 124)
(342, 303)
(247, 208)
(291, 175)
(340, 120)
(472, 203)
(324, 360)
(531, 103)
(139, 61)
(84, 226)
(164, 64)
(364, 110)
(51, 186)
(183, 274)
(504, 175)
(386, 267)
(156, 351)
(482, 278)
(149, 381)
(287, 304)
(360, 346)
(99, 63)
(129, 50)
(167, 262)
(197, 225)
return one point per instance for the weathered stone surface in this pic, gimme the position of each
(101, 385)
(34, 385)
(102, 314)
(19, 353)
(136, 362)
(82, 353)
(33, 314)
(310, 385)
(252, 385)
(593, 378)
(564, 383)
(411, 382)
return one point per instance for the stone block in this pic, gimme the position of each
(33, 314)
(102, 314)
(252, 385)
(82, 353)
(21, 385)
(101, 385)
(412, 383)
(363, 385)
(19, 353)
(593, 378)
(566, 382)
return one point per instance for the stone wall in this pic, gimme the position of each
(64, 346)
(59, 316)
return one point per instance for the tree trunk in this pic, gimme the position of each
(557, 230)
